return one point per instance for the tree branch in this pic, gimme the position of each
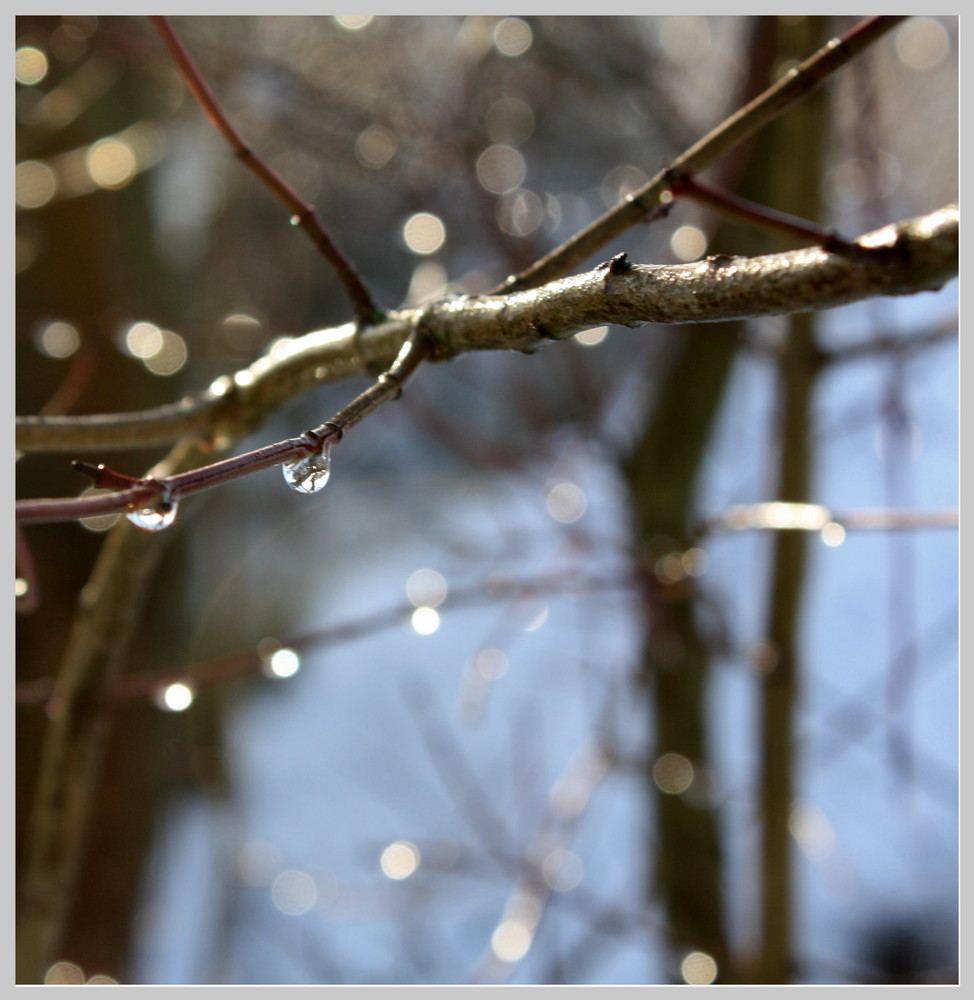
(653, 196)
(790, 516)
(151, 502)
(913, 256)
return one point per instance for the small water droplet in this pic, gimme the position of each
(154, 517)
(309, 474)
(295, 220)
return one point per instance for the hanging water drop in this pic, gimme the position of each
(295, 220)
(309, 474)
(154, 516)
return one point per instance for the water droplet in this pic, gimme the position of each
(309, 474)
(295, 220)
(154, 517)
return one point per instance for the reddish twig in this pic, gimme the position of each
(160, 496)
(684, 185)
(74, 383)
(302, 214)
(150, 492)
(28, 598)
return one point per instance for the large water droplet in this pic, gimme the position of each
(154, 517)
(308, 474)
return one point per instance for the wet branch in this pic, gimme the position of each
(159, 496)
(913, 256)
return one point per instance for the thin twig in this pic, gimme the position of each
(910, 343)
(28, 590)
(683, 185)
(649, 199)
(570, 795)
(165, 493)
(136, 686)
(813, 517)
(302, 214)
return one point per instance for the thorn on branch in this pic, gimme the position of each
(617, 265)
(103, 477)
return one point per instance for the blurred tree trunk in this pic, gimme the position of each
(134, 765)
(662, 473)
(800, 143)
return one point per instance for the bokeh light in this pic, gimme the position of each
(242, 332)
(34, 184)
(111, 163)
(670, 568)
(294, 892)
(425, 621)
(520, 212)
(511, 941)
(500, 169)
(620, 182)
(688, 243)
(353, 22)
(694, 562)
(426, 588)
(698, 969)
(512, 36)
(562, 869)
(58, 339)
(399, 860)
(812, 830)
(593, 337)
(170, 357)
(492, 663)
(424, 233)
(833, 534)
(142, 340)
(428, 281)
(31, 65)
(281, 663)
(922, 43)
(536, 614)
(673, 773)
(176, 697)
(97, 522)
(376, 146)
(565, 502)
(64, 974)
